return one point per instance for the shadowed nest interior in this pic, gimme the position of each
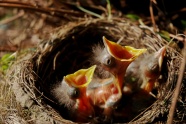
(69, 48)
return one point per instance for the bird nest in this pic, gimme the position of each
(69, 48)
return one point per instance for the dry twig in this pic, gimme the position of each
(50, 11)
(177, 89)
(152, 15)
(178, 38)
(5, 21)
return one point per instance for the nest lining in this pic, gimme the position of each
(69, 49)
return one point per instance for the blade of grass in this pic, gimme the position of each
(109, 9)
(88, 11)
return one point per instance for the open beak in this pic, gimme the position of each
(81, 78)
(161, 54)
(125, 55)
(135, 52)
(122, 53)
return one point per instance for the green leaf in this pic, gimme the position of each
(183, 22)
(165, 35)
(5, 61)
(133, 17)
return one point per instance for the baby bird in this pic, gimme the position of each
(144, 71)
(114, 59)
(103, 94)
(71, 92)
(139, 81)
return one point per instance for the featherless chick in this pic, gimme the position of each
(144, 71)
(103, 94)
(139, 81)
(112, 61)
(71, 92)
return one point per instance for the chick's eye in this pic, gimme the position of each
(108, 61)
(73, 92)
(153, 67)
